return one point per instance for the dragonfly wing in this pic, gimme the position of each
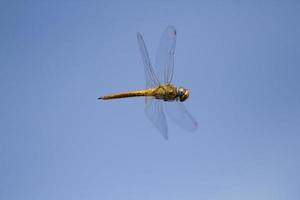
(151, 78)
(154, 111)
(164, 61)
(179, 114)
(154, 108)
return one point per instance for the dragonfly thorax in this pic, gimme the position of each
(166, 92)
(169, 92)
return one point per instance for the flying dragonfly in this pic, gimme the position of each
(160, 95)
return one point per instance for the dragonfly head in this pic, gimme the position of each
(183, 93)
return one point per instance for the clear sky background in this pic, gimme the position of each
(240, 60)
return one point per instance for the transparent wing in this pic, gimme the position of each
(154, 108)
(179, 114)
(164, 62)
(154, 111)
(151, 79)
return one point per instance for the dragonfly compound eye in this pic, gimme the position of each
(183, 93)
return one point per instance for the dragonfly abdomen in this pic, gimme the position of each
(135, 93)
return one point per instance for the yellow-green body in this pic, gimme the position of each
(167, 92)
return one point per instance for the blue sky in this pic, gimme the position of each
(239, 59)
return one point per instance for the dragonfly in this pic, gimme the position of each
(161, 96)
